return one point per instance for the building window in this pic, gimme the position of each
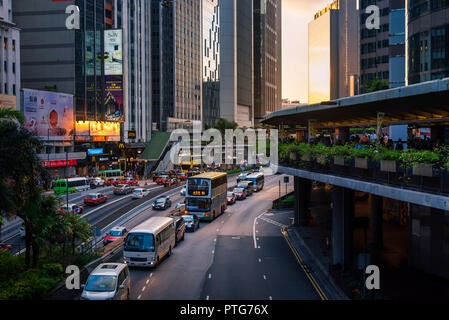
(5, 43)
(13, 45)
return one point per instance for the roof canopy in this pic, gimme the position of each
(424, 103)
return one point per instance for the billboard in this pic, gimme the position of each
(48, 114)
(113, 100)
(8, 101)
(113, 52)
(99, 130)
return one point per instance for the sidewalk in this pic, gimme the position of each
(316, 264)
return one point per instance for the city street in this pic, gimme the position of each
(240, 255)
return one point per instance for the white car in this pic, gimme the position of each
(183, 191)
(140, 193)
(98, 182)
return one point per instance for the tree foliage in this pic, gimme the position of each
(377, 85)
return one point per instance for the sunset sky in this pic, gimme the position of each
(296, 15)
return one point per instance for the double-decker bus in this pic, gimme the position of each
(108, 174)
(206, 195)
(71, 185)
(258, 180)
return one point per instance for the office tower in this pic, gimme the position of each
(109, 14)
(211, 61)
(64, 60)
(10, 59)
(236, 67)
(427, 40)
(267, 57)
(176, 64)
(382, 51)
(333, 52)
(136, 19)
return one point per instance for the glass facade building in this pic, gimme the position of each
(177, 60)
(382, 51)
(211, 62)
(267, 57)
(427, 40)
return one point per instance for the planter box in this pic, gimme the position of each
(339, 161)
(361, 163)
(388, 166)
(293, 156)
(321, 160)
(425, 170)
(306, 158)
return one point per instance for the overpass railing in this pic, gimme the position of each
(422, 170)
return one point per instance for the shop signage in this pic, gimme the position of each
(59, 163)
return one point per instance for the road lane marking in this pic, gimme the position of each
(278, 224)
(107, 204)
(271, 298)
(143, 289)
(260, 260)
(254, 230)
(207, 298)
(304, 267)
(264, 277)
(147, 281)
(210, 276)
(151, 275)
(139, 297)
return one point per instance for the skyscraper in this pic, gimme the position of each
(177, 63)
(267, 57)
(136, 19)
(382, 51)
(427, 40)
(236, 67)
(333, 53)
(211, 61)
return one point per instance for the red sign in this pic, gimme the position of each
(59, 163)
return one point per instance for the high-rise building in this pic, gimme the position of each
(211, 61)
(427, 40)
(65, 60)
(382, 51)
(176, 64)
(237, 63)
(109, 13)
(333, 52)
(136, 19)
(267, 57)
(10, 59)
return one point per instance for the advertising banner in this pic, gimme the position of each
(8, 101)
(49, 114)
(114, 98)
(113, 52)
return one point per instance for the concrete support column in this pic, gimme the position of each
(342, 227)
(302, 198)
(376, 232)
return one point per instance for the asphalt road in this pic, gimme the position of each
(102, 215)
(242, 255)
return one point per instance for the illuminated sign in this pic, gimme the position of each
(59, 163)
(92, 152)
(113, 52)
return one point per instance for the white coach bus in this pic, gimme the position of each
(147, 244)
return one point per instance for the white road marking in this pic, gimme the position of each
(143, 289)
(139, 297)
(213, 251)
(273, 222)
(207, 298)
(107, 204)
(264, 277)
(151, 275)
(210, 276)
(271, 298)
(148, 281)
(260, 260)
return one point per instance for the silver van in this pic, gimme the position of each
(109, 281)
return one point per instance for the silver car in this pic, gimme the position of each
(109, 281)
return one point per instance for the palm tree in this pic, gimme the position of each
(14, 115)
(80, 229)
